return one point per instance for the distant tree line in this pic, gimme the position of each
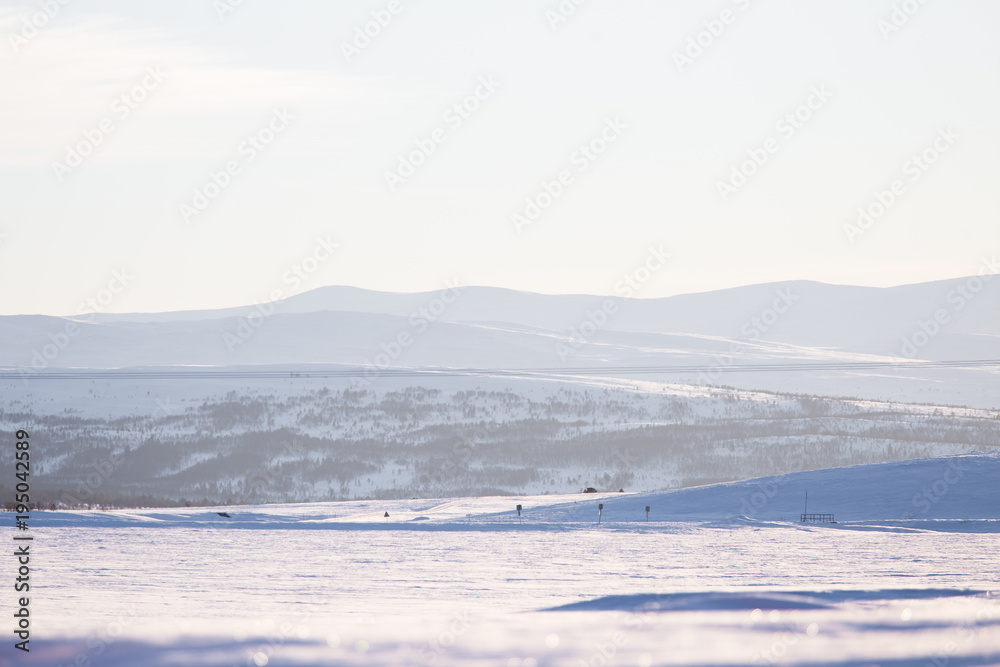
(256, 447)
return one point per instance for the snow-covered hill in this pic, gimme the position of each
(491, 328)
(518, 430)
(951, 493)
(962, 487)
(462, 581)
(962, 316)
(288, 440)
(809, 314)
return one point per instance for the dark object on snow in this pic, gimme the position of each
(590, 489)
(386, 515)
(621, 490)
(224, 514)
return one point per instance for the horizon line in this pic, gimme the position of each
(506, 289)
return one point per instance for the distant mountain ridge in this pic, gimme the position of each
(494, 328)
(700, 312)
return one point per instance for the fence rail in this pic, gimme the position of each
(818, 518)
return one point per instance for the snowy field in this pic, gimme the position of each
(719, 575)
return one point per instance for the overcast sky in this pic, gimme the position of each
(116, 115)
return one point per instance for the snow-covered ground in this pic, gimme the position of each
(724, 574)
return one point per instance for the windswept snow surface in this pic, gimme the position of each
(906, 577)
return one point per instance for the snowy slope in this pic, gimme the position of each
(963, 487)
(461, 581)
(949, 490)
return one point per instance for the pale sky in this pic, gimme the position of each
(329, 125)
